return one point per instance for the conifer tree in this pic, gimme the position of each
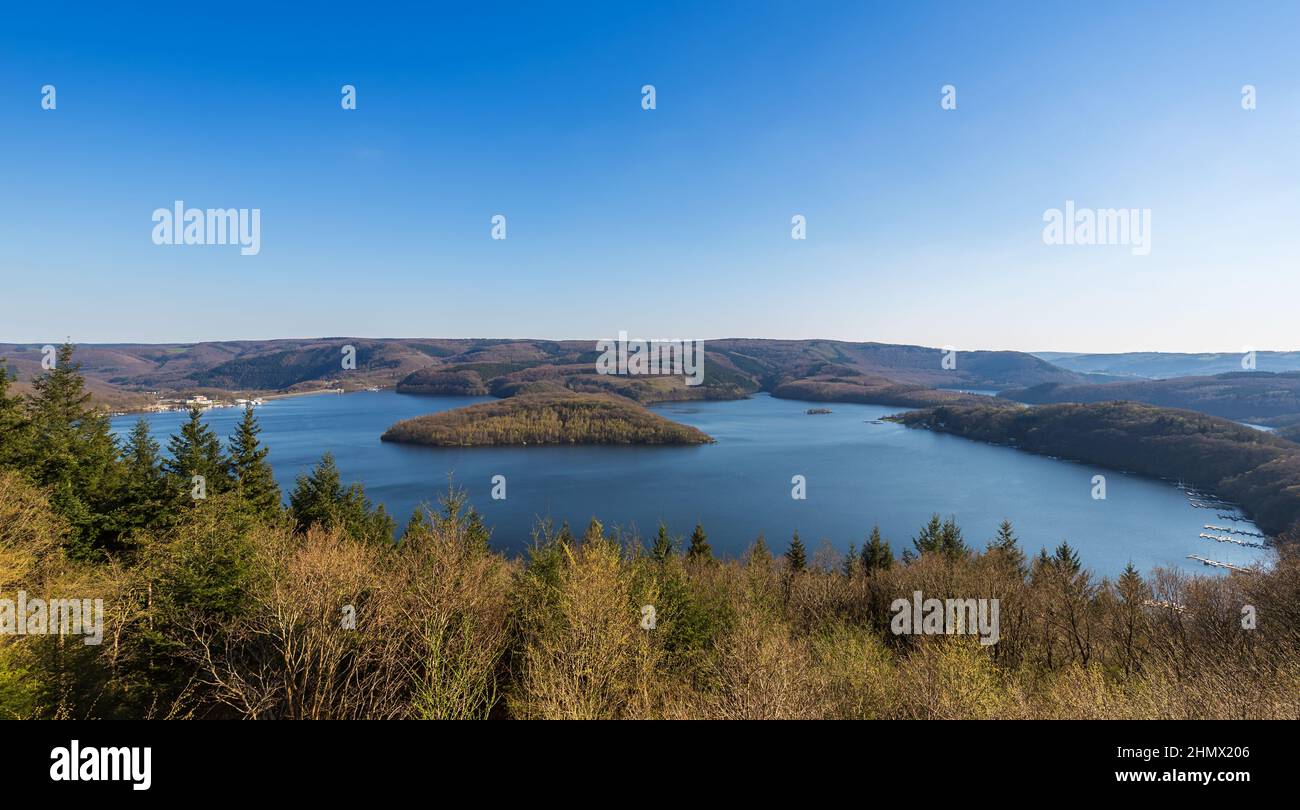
(13, 422)
(797, 555)
(663, 545)
(931, 537)
(318, 495)
(1067, 559)
(144, 498)
(876, 553)
(72, 451)
(1130, 623)
(699, 548)
(1004, 546)
(196, 450)
(950, 540)
(850, 564)
(476, 533)
(252, 475)
(320, 499)
(418, 526)
(759, 553)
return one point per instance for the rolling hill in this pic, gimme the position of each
(734, 368)
(1257, 397)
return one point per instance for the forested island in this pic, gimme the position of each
(550, 417)
(1249, 467)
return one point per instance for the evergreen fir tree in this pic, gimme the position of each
(196, 450)
(144, 497)
(73, 453)
(663, 545)
(1131, 587)
(699, 548)
(931, 537)
(317, 497)
(1067, 559)
(950, 540)
(797, 555)
(418, 527)
(320, 499)
(253, 479)
(876, 553)
(850, 564)
(14, 425)
(759, 553)
(1004, 546)
(476, 534)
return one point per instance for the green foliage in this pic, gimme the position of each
(72, 452)
(1004, 548)
(145, 497)
(14, 425)
(252, 475)
(876, 553)
(663, 547)
(699, 549)
(320, 499)
(196, 451)
(454, 519)
(796, 556)
(941, 537)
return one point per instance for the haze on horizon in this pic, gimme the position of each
(924, 225)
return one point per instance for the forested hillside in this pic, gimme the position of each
(1257, 397)
(1259, 471)
(122, 374)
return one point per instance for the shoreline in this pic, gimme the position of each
(221, 405)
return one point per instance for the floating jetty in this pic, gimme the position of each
(1223, 538)
(1234, 518)
(1214, 528)
(1217, 563)
(1210, 504)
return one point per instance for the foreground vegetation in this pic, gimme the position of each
(1259, 471)
(232, 605)
(552, 417)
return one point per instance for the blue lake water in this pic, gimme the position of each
(858, 473)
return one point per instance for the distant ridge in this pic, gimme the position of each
(1160, 365)
(737, 367)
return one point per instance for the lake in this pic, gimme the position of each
(858, 473)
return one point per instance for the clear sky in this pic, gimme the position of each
(924, 225)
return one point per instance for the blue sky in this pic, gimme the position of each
(924, 225)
